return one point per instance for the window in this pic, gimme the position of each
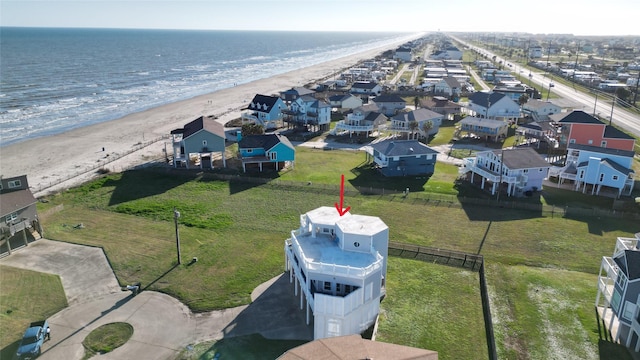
(629, 310)
(9, 218)
(601, 177)
(614, 177)
(327, 286)
(603, 143)
(273, 155)
(14, 184)
(581, 174)
(356, 244)
(572, 141)
(615, 300)
(249, 151)
(590, 142)
(204, 142)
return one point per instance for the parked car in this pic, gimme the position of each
(32, 340)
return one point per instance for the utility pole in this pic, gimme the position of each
(615, 98)
(176, 215)
(595, 105)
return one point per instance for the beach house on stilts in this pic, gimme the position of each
(338, 264)
(197, 144)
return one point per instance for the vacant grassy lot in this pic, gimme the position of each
(25, 296)
(237, 229)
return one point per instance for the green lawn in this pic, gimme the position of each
(237, 229)
(25, 296)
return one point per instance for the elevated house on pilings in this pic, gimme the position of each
(18, 214)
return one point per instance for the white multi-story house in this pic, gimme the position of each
(307, 110)
(618, 298)
(266, 111)
(540, 110)
(339, 265)
(364, 119)
(521, 169)
(493, 105)
(426, 123)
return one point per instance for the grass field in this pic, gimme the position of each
(237, 229)
(25, 296)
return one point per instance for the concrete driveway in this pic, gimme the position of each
(163, 326)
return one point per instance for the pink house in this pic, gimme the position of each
(578, 127)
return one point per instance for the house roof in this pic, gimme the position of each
(452, 82)
(489, 123)
(265, 141)
(612, 132)
(340, 97)
(297, 91)
(575, 116)
(13, 201)
(364, 85)
(351, 347)
(417, 115)
(629, 262)
(533, 126)
(207, 123)
(616, 166)
(263, 103)
(601, 150)
(521, 158)
(385, 98)
(402, 148)
(486, 99)
(374, 116)
(535, 104)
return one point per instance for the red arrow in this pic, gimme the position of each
(340, 208)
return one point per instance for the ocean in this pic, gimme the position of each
(54, 80)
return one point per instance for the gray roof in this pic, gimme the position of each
(485, 99)
(364, 85)
(259, 101)
(629, 263)
(576, 116)
(388, 98)
(207, 123)
(521, 158)
(14, 200)
(601, 150)
(611, 132)
(417, 115)
(265, 141)
(402, 148)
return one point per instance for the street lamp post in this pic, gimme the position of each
(176, 215)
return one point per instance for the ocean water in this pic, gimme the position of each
(54, 80)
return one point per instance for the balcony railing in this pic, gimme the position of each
(330, 268)
(346, 126)
(626, 244)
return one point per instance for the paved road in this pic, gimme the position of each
(621, 117)
(163, 326)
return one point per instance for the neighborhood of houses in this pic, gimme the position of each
(338, 261)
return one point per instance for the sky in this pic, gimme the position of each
(585, 17)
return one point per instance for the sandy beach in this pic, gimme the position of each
(65, 160)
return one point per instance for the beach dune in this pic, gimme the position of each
(56, 162)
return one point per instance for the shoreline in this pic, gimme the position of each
(60, 161)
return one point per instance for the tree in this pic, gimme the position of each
(252, 129)
(413, 126)
(623, 94)
(426, 127)
(523, 99)
(416, 101)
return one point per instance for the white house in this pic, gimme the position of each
(484, 128)
(363, 119)
(346, 101)
(339, 265)
(449, 87)
(521, 169)
(427, 122)
(403, 53)
(307, 110)
(390, 104)
(494, 106)
(540, 110)
(366, 88)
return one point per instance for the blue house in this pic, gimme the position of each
(594, 169)
(197, 143)
(267, 148)
(403, 157)
(266, 111)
